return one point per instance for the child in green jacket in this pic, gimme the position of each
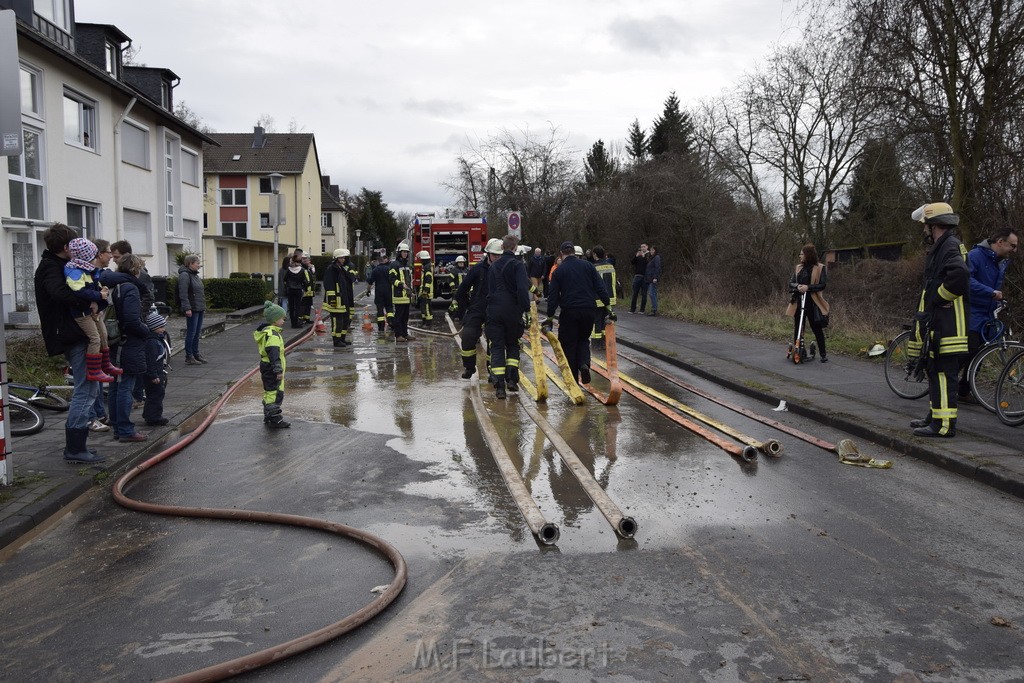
(272, 364)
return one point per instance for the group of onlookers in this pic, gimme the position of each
(105, 325)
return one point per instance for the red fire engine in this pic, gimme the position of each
(445, 239)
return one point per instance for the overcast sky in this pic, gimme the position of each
(393, 90)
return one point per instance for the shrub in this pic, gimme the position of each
(27, 362)
(233, 294)
(239, 276)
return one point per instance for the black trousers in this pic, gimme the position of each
(306, 308)
(401, 324)
(504, 328)
(574, 328)
(469, 335)
(639, 287)
(340, 323)
(942, 391)
(153, 409)
(294, 306)
(819, 331)
(384, 314)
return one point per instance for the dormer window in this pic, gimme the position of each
(113, 63)
(56, 12)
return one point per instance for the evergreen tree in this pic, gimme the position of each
(599, 168)
(636, 144)
(672, 132)
(378, 223)
(879, 199)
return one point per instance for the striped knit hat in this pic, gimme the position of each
(155, 321)
(82, 253)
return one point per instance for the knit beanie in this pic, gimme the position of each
(82, 253)
(272, 312)
(155, 321)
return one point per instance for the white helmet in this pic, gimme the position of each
(423, 255)
(460, 259)
(402, 246)
(493, 246)
(578, 249)
(341, 253)
(522, 250)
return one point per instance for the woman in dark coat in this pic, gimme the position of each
(125, 296)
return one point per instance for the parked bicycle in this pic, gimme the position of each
(40, 397)
(986, 367)
(24, 418)
(1009, 396)
(901, 371)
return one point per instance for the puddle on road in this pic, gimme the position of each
(668, 479)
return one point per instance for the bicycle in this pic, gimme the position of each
(24, 419)
(999, 349)
(1009, 396)
(40, 397)
(900, 368)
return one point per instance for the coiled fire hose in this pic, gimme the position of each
(305, 642)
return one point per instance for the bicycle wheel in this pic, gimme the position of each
(986, 367)
(39, 397)
(25, 419)
(1009, 396)
(897, 369)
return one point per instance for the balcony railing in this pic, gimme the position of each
(54, 32)
(326, 230)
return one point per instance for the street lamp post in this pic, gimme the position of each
(359, 242)
(275, 218)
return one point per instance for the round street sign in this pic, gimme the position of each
(515, 221)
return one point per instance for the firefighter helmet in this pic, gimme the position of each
(460, 259)
(578, 250)
(402, 246)
(939, 213)
(522, 250)
(493, 246)
(423, 255)
(341, 253)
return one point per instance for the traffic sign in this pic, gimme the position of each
(515, 223)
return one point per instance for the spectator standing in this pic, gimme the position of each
(192, 301)
(987, 263)
(147, 293)
(126, 299)
(309, 273)
(55, 302)
(98, 417)
(292, 287)
(81, 275)
(651, 276)
(639, 264)
(809, 278)
(158, 353)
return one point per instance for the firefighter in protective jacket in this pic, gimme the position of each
(470, 306)
(606, 270)
(400, 277)
(940, 328)
(508, 302)
(339, 280)
(426, 291)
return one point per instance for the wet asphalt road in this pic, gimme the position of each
(793, 569)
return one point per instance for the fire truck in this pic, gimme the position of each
(445, 239)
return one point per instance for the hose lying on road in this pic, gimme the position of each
(771, 447)
(293, 647)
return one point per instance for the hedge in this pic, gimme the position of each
(229, 293)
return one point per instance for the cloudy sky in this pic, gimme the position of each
(393, 90)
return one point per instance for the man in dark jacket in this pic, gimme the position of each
(639, 264)
(192, 300)
(379, 282)
(942, 316)
(508, 299)
(651, 276)
(576, 288)
(470, 306)
(61, 335)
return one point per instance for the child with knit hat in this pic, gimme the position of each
(158, 354)
(272, 364)
(81, 276)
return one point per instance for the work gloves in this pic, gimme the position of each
(527, 319)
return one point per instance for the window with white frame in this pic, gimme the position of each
(31, 91)
(110, 53)
(237, 229)
(137, 231)
(171, 186)
(189, 167)
(25, 177)
(325, 220)
(134, 144)
(79, 119)
(84, 216)
(265, 221)
(55, 11)
(165, 95)
(233, 197)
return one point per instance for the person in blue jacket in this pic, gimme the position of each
(987, 261)
(125, 289)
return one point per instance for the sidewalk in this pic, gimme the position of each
(847, 393)
(45, 483)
